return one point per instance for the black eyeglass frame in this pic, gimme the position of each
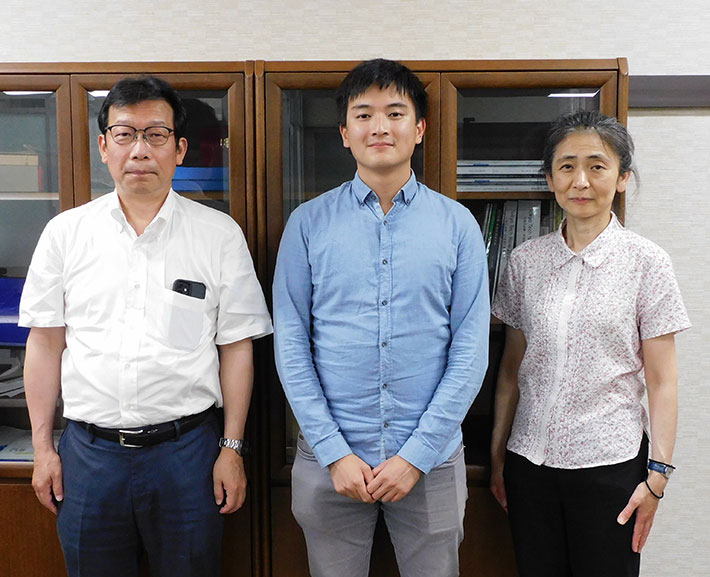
(171, 131)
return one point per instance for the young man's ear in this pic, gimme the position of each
(344, 135)
(421, 127)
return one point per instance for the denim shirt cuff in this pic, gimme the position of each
(331, 449)
(418, 454)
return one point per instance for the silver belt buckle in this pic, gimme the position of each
(122, 439)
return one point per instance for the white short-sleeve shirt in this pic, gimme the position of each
(138, 352)
(584, 316)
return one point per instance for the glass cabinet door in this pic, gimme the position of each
(496, 118)
(305, 157)
(213, 171)
(35, 183)
(494, 126)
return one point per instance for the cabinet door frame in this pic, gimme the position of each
(606, 81)
(233, 83)
(60, 85)
(271, 170)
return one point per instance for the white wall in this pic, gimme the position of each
(673, 209)
(657, 37)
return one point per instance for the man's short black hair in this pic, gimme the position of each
(132, 90)
(382, 73)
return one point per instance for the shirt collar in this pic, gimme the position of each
(361, 190)
(595, 252)
(157, 225)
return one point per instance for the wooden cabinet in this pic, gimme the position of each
(267, 133)
(48, 121)
(497, 109)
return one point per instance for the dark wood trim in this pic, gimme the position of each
(123, 68)
(622, 92)
(669, 91)
(237, 153)
(273, 195)
(622, 113)
(16, 470)
(260, 141)
(61, 86)
(451, 82)
(64, 146)
(263, 531)
(297, 66)
(448, 65)
(432, 135)
(249, 152)
(81, 84)
(532, 79)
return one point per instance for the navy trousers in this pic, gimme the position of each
(563, 521)
(120, 502)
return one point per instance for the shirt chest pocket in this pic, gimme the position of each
(182, 320)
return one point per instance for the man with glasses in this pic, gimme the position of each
(143, 306)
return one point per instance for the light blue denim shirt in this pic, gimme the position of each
(381, 323)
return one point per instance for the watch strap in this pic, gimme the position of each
(238, 445)
(663, 468)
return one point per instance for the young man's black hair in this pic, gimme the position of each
(133, 90)
(382, 73)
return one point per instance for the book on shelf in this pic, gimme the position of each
(499, 175)
(494, 247)
(533, 186)
(12, 387)
(528, 225)
(508, 224)
(16, 444)
(499, 162)
(9, 435)
(499, 167)
(20, 172)
(499, 179)
(510, 219)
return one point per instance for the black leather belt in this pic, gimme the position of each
(149, 434)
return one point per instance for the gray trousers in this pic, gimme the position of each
(426, 527)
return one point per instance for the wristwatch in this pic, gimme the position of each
(239, 445)
(662, 468)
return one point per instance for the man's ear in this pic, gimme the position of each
(344, 135)
(421, 127)
(102, 148)
(181, 151)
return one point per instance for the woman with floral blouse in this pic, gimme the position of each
(590, 312)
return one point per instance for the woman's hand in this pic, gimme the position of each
(498, 486)
(645, 505)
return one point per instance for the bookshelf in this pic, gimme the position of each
(49, 162)
(481, 112)
(274, 145)
(35, 183)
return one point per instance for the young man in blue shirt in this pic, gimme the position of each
(381, 315)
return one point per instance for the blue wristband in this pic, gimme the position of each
(663, 468)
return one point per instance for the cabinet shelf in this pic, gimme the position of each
(29, 196)
(13, 402)
(16, 469)
(539, 195)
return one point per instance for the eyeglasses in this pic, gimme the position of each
(123, 134)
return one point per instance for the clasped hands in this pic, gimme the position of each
(391, 480)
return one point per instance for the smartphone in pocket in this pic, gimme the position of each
(190, 288)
